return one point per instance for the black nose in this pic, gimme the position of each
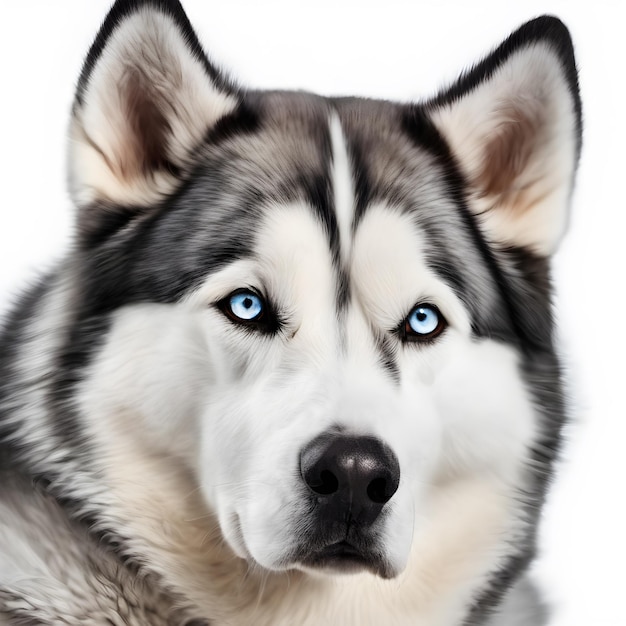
(352, 477)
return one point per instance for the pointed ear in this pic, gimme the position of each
(146, 98)
(514, 125)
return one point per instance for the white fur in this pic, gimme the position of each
(343, 185)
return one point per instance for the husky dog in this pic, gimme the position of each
(299, 366)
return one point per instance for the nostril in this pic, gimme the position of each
(325, 483)
(379, 491)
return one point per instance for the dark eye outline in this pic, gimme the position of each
(407, 333)
(266, 321)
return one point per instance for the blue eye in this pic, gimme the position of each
(251, 312)
(424, 322)
(245, 306)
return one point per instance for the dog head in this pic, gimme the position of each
(335, 312)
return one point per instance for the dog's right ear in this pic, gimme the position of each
(147, 96)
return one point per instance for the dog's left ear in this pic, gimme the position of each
(513, 123)
(146, 98)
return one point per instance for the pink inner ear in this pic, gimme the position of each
(508, 154)
(143, 149)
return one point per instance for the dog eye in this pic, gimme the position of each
(244, 306)
(248, 309)
(423, 323)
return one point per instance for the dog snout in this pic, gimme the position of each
(352, 477)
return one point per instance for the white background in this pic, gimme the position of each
(397, 50)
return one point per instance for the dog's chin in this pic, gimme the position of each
(344, 558)
(317, 558)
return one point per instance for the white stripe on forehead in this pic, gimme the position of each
(343, 187)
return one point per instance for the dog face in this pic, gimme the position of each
(391, 380)
(333, 312)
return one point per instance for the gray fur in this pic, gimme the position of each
(522, 606)
(55, 569)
